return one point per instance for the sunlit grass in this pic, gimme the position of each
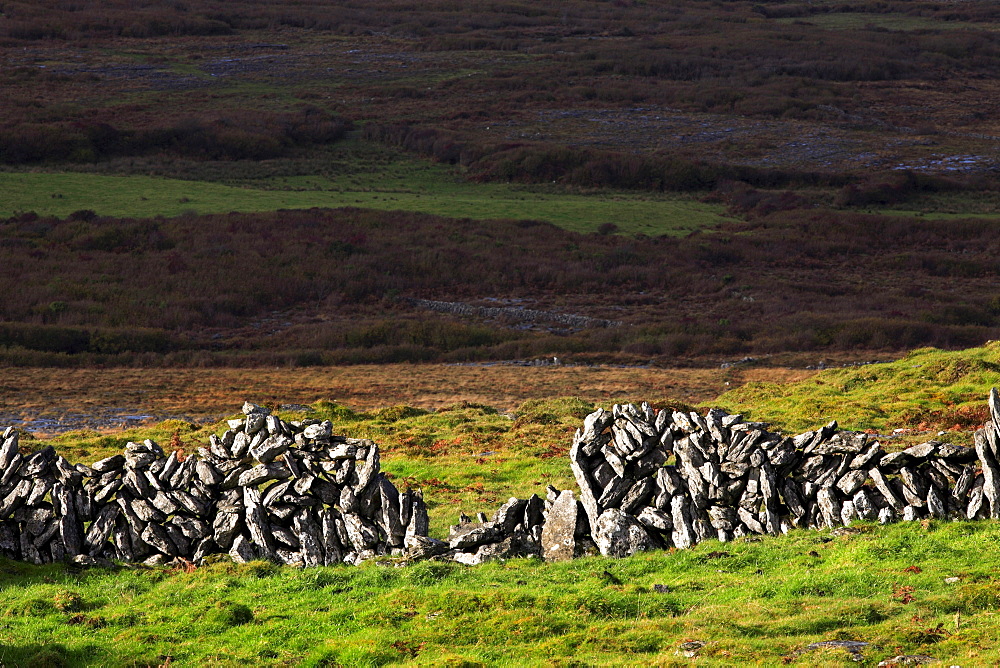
(427, 189)
(929, 389)
(760, 602)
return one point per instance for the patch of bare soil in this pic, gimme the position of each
(47, 401)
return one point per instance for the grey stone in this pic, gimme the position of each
(342, 451)
(655, 519)
(270, 448)
(750, 519)
(284, 537)
(852, 647)
(616, 492)
(422, 547)
(518, 544)
(38, 463)
(15, 499)
(722, 517)
(257, 524)
(914, 487)
(262, 473)
(956, 453)
(9, 449)
(156, 536)
(533, 512)
(207, 473)
(472, 534)
(225, 528)
(963, 484)
(619, 535)
(588, 493)
(242, 551)
(891, 462)
(509, 515)
(419, 522)
(863, 507)
(321, 430)
(682, 535)
(868, 458)
(100, 529)
(241, 445)
(309, 534)
(39, 488)
(361, 533)
(189, 502)
(13, 470)
(851, 482)
(178, 538)
(882, 485)
(991, 472)
(331, 543)
(734, 469)
(368, 471)
(182, 477)
(638, 495)
(922, 451)
(976, 501)
(559, 530)
(272, 496)
(935, 504)
(616, 462)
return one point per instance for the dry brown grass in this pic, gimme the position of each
(208, 392)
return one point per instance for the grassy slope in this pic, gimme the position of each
(753, 602)
(938, 388)
(436, 192)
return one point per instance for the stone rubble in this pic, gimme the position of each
(297, 494)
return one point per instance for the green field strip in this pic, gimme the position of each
(59, 194)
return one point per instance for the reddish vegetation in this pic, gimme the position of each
(189, 286)
(584, 93)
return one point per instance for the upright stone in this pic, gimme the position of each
(558, 532)
(991, 470)
(588, 494)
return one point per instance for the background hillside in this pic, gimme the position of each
(667, 183)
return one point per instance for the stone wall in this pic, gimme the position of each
(266, 489)
(297, 494)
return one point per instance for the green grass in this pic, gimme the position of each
(423, 188)
(755, 601)
(935, 387)
(752, 602)
(860, 20)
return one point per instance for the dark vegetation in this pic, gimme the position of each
(89, 80)
(320, 287)
(796, 115)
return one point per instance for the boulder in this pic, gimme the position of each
(619, 535)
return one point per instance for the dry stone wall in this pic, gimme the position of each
(266, 489)
(298, 494)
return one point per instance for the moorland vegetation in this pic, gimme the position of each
(823, 149)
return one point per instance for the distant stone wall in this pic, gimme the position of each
(297, 494)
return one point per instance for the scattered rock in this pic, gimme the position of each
(690, 648)
(907, 660)
(852, 647)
